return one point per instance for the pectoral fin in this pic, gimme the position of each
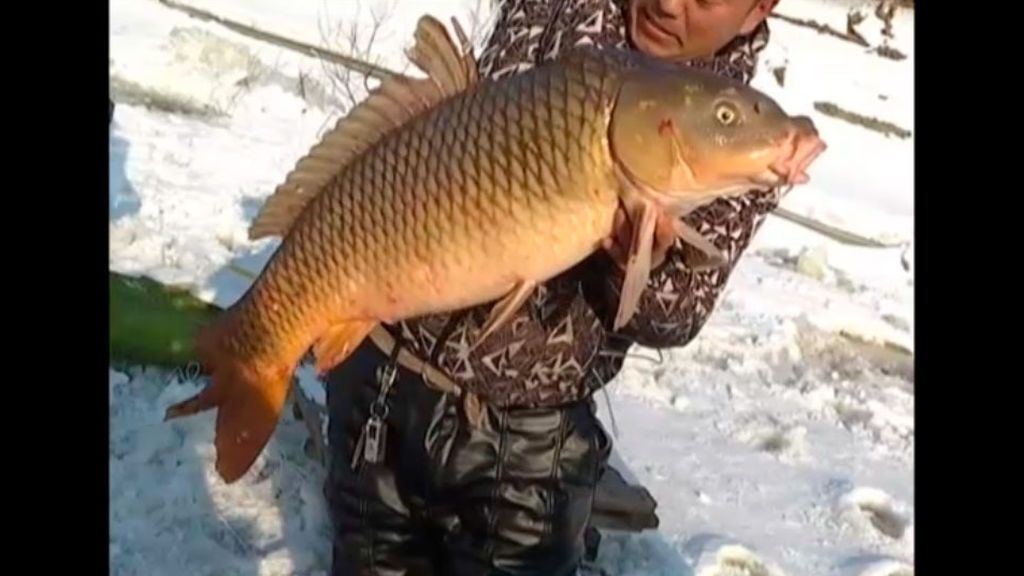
(638, 264)
(339, 342)
(505, 309)
(714, 257)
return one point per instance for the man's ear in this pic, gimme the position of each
(757, 14)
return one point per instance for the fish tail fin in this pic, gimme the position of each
(249, 396)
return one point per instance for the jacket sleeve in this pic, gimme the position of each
(677, 301)
(514, 39)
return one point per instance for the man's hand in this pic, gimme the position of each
(622, 236)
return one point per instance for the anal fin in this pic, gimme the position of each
(638, 264)
(504, 309)
(339, 341)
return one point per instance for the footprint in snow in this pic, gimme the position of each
(787, 443)
(736, 560)
(876, 566)
(875, 511)
(888, 568)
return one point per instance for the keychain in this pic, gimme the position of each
(371, 444)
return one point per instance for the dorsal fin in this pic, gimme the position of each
(449, 71)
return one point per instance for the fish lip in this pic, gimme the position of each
(800, 148)
(767, 180)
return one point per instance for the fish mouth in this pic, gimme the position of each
(800, 148)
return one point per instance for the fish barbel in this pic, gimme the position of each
(447, 191)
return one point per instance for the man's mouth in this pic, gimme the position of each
(649, 25)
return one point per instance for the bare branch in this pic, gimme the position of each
(356, 40)
(477, 22)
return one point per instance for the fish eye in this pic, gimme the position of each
(726, 114)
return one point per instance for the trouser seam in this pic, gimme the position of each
(499, 470)
(598, 463)
(363, 524)
(554, 475)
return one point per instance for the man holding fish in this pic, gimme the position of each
(470, 256)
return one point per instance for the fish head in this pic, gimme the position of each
(691, 136)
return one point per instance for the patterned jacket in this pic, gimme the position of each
(559, 347)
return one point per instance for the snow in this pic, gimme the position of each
(781, 441)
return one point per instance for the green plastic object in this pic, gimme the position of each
(152, 323)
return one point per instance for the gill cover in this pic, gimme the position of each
(645, 139)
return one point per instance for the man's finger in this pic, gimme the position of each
(664, 233)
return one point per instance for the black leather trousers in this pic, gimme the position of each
(511, 497)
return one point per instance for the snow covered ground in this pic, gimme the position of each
(780, 442)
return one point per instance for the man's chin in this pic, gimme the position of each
(648, 45)
(660, 50)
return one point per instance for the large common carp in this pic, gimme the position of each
(442, 192)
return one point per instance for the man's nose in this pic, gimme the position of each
(672, 8)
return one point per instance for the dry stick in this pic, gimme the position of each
(837, 234)
(311, 418)
(868, 122)
(821, 28)
(363, 67)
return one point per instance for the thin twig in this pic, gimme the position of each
(476, 23)
(244, 545)
(242, 271)
(357, 40)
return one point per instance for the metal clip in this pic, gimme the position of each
(375, 433)
(372, 441)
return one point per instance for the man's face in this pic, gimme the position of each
(687, 29)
